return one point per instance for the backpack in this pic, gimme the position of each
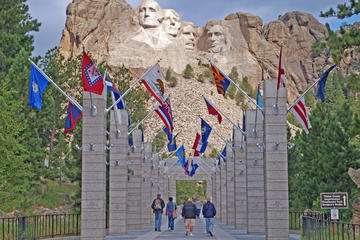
(157, 204)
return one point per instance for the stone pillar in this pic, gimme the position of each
(255, 174)
(230, 186)
(276, 165)
(240, 182)
(223, 198)
(146, 197)
(93, 190)
(213, 188)
(208, 186)
(134, 184)
(118, 174)
(218, 192)
(154, 179)
(172, 187)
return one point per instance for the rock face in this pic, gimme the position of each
(114, 32)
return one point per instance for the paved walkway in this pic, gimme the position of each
(220, 231)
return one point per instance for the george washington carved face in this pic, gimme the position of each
(150, 15)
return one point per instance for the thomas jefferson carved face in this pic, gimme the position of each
(188, 34)
(216, 38)
(149, 14)
(171, 22)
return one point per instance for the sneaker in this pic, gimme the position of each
(159, 230)
(211, 234)
(190, 233)
(155, 229)
(186, 233)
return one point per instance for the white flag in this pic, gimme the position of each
(154, 83)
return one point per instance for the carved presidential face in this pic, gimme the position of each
(216, 38)
(188, 34)
(171, 22)
(149, 14)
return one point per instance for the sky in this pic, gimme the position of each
(52, 13)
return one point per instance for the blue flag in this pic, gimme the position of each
(194, 166)
(259, 99)
(205, 131)
(223, 154)
(111, 87)
(38, 83)
(321, 89)
(73, 114)
(172, 144)
(169, 134)
(180, 153)
(130, 138)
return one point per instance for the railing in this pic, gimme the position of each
(40, 226)
(314, 228)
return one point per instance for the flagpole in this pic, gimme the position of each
(244, 133)
(216, 150)
(52, 82)
(242, 91)
(302, 95)
(146, 117)
(129, 89)
(256, 112)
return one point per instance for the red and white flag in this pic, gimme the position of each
(299, 111)
(154, 83)
(91, 77)
(281, 73)
(196, 145)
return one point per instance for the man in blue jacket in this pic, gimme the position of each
(209, 213)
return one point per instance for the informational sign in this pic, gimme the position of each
(334, 200)
(334, 214)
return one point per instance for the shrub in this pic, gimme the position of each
(231, 91)
(168, 74)
(188, 72)
(234, 75)
(200, 78)
(173, 81)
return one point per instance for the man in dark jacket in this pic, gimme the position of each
(189, 213)
(209, 213)
(158, 206)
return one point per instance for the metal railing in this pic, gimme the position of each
(40, 226)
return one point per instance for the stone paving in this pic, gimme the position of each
(220, 232)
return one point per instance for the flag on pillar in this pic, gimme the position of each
(194, 166)
(321, 89)
(221, 80)
(259, 99)
(212, 110)
(244, 125)
(111, 87)
(281, 73)
(73, 114)
(180, 153)
(299, 111)
(38, 84)
(205, 130)
(91, 77)
(165, 116)
(154, 83)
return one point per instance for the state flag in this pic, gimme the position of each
(281, 73)
(38, 84)
(72, 116)
(154, 83)
(221, 80)
(321, 89)
(180, 153)
(91, 77)
(111, 88)
(212, 110)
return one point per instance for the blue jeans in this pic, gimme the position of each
(209, 224)
(171, 221)
(198, 211)
(158, 220)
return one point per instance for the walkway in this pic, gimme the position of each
(220, 231)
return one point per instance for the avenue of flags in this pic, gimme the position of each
(94, 82)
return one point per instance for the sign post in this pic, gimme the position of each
(334, 201)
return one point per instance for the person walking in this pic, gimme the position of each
(198, 205)
(209, 213)
(189, 213)
(158, 206)
(171, 213)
